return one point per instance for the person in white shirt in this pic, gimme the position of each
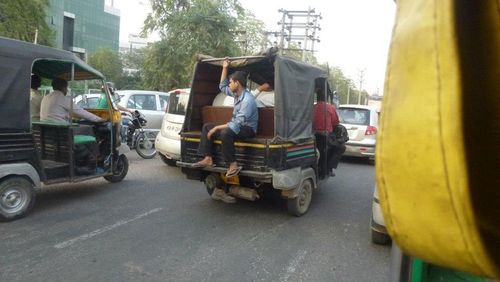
(57, 106)
(264, 95)
(223, 100)
(35, 98)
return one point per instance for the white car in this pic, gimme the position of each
(150, 103)
(87, 101)
(361, 123)
(168, 142)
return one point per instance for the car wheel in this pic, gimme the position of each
(299, 205)
(17, 197)
(380, 238)
(120, 170)
(167, 161)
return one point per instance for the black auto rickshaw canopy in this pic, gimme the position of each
(294, 90)
(18, 60)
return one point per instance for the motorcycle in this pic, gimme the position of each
(138, 138)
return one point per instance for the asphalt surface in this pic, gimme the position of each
(158, 226)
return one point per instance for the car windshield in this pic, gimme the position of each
(354, 116)
(178, 103)
(89, 102)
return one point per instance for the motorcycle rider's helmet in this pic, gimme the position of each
(111, 87)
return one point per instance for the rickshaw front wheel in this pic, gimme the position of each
(299, 205)
(17, 197)
(120, 170)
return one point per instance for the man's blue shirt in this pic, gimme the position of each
(245, 109)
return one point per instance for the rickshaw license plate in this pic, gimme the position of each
(230, 180)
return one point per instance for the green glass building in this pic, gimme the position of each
(84, 26)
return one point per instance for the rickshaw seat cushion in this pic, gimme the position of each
(83, 139)
(222, 114)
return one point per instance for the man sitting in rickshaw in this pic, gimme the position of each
(35, 97)
(243, 125)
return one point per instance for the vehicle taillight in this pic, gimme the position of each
(371, 130)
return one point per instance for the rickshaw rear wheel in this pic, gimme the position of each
(299, 205)
(213, 181)
(17, 197)
(120, 170)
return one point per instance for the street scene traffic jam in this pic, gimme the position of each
(238, 140)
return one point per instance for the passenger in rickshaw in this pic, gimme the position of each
(35, 98)
(323, 127)
(243, 124)
(103, 101)
(264, 95)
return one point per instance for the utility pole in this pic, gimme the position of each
(307, 34)
(311, 24)
(361, 78)
(348, 93)
(282, 35)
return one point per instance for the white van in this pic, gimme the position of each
(168, 142)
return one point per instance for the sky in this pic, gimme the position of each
(355, 34)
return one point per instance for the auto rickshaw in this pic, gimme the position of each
(34, 151)
(283, 157)
(437, 150)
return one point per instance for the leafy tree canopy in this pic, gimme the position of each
(19, 19)
(189, 27)
(108, 63)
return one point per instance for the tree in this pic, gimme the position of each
(19, 19)
(162, 69)
(132, 65)
(343, 85)
(190, 27)
(108, 63)
(249, 33)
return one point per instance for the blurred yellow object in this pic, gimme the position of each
(438, 163)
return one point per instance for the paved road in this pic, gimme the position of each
(158, 226)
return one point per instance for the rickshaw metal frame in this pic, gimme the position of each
(20, 155)
(294, 89)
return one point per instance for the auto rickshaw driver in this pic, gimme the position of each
(56, 107)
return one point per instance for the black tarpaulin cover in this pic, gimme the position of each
(17, 61)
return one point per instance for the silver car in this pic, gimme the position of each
(361, 123)
(150, 103)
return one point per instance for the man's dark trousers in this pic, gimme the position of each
(227, 136)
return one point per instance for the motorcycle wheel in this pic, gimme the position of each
(145, 145)
(120, 170)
